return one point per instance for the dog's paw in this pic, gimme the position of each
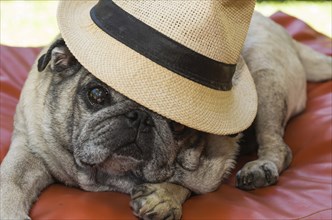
(257, 174)
(151, 201)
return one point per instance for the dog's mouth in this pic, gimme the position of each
(130, 150)
(116, 140)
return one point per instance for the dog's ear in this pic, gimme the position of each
(59, 57)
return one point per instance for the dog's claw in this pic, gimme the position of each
(257, 174)
(152, 202)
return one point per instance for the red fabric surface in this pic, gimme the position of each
(15, 63)
(304, 191)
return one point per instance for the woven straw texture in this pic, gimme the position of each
(154, 86)
(199, 24)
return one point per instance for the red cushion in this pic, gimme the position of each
(303, 191)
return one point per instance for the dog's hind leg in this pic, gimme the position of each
(280, 79)
(273, 154)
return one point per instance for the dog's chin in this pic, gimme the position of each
(117, 163)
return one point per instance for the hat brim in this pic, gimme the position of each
(153, 86)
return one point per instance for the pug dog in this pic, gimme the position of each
(72, 128)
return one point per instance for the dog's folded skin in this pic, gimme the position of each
(72, 128)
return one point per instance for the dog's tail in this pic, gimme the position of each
(318, 66)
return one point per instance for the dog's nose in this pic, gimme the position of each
(139, 118)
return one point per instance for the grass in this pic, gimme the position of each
(33, 23)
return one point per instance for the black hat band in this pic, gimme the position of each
(161, 49)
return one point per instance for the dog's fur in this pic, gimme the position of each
(71, 127)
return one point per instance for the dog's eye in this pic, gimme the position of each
(97, 95)
(177, 128)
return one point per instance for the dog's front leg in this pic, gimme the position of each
(159, 201)
(22, 177)
(273, 154)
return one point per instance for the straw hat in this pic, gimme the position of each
(179, 58)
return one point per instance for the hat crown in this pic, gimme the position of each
(123, 43)
(213, 28)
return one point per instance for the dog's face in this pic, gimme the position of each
(104, 129)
